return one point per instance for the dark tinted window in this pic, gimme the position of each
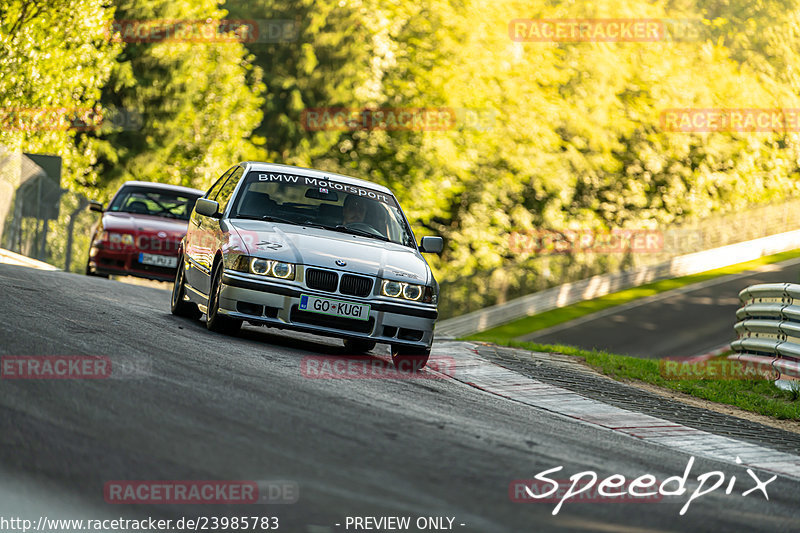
(152, 201)
(226, 191)
(212, 193)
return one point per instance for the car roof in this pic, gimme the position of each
(165, 186)
(310, 172)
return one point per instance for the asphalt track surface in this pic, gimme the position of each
(681, 323)
(203, 406)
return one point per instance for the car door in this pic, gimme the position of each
(198, 241)
(210, 228)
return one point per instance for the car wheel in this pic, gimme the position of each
(214, 320)
(409, 359)
(90, 272)
(178, 305)
(356, 346)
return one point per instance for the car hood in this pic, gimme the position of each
(322, 248)
(133, 223)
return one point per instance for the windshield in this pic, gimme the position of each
(323, 203)
(156, 202)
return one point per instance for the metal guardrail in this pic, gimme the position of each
(12, 258)
(569, 293)
(768, 327)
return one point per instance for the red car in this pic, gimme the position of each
(141, 230)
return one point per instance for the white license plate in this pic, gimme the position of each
(326, 306)
(158, 260)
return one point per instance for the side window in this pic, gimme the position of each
(214, 190)
(226, 191)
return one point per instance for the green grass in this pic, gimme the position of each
(550, 318)
(757, 396)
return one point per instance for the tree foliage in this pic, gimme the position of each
(54, 55)
(575, 141)
(188, 106)
(553, 135)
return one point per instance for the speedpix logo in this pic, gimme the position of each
(645, 488)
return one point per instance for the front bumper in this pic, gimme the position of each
(275, 304)
(126, 263)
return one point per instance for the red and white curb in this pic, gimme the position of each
(466, 366)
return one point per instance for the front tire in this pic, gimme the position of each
(215, 321)
(90, 272)
(409, 359)
(178, 305)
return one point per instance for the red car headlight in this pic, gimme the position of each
(120, 238)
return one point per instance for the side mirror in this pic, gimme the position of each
(206, 207)
(431, 245)
(94, 205)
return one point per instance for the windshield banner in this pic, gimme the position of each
(325, 185)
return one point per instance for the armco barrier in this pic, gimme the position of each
(570, 293)
(12, 258)
(768, 327)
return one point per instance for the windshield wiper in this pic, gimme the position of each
(360, 232)
(267, 218)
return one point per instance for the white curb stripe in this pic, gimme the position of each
(467, 367)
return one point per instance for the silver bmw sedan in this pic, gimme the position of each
(313, 251)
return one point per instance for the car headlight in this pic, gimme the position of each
(392, 288)
(406, 291)
(275, 269)
(282, 270)
(120, 238)
(412, 292)
(260, 266)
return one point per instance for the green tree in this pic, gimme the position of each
(190, 105)
(576, 140)
(54, 55)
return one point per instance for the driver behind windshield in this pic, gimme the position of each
(354, 210)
